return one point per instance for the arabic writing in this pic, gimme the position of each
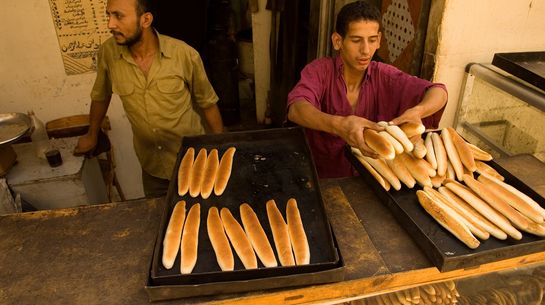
(82, 26)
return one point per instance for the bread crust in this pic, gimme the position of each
(381, 167)
(395, 143)
(379, 144)
(464, 152)
(515, 201)
(452, 154)
(401, 171)
(412, 129)
(219, 241)
(440, 153)
(383, 182)
(430, 152)
(173, 234)
(419, 172)
(210, 172)
(257, 236)
(197, 173)
(224, 171)
(190, 239)
(472, 213)
(485, 210)
(419, 150)
(238, 239)
(399, 135)
(446, 219)
(281, 236)
(495, 201)
(298, 237)
(479, 154)
(483, 168)
(184, 171)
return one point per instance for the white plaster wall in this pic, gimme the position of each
(472, 31)
(32, 77)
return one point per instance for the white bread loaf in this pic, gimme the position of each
(297, 233)
(379, 144)
(190, 239)
(257, 236)
(173, 234)
(401, 171)
(430, 152)
(452, 154)
(381, 167)
(385, 184)
(440, 154)
(224, 171)
(184, 171)
(219, 240)
(281, 236)
(197, 173)
(464, 151)
(210, 171)
(445, 217)
(238, 239)
(479, 154)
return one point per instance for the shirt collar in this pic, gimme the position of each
(339, 65)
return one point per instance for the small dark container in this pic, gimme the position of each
(53, 158)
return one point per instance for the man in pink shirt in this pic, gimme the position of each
(338, 97)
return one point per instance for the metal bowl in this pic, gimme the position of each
(13, 126)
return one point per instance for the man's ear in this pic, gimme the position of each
(337, 41)
(146, 19)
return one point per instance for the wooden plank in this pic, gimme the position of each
(360, 255)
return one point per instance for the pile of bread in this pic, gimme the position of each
(438, 293)
(224, 231)
(444, 165)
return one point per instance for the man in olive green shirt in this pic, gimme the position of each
(161, 82)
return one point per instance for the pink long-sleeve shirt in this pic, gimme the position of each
(385, 94)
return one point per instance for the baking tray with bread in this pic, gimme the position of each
(236, 227)
(460, 207)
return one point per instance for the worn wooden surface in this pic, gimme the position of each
(101, 254)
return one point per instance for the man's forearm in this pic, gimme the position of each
(434, 99)
(304, 114)
(97, 113)
(213, 118)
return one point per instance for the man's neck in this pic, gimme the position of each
(147, 46)
(353, 79)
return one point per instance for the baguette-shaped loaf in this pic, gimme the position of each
(469, 212)
(399, 135)
(184, 171)
(395, 143)
(485, 210)
(430, 152)
(533, 227)
(450, 171)
(528, 208)
(419, 172)
(474, 227)
(420, 150)
(224, 171)
(210, 171)
(495, 201)
(437, 181)
(412, 129)
(297, 233)
(401, 171)
(257, 236)
(190, 239)
(440, 154)
(381, 167)
(173, 234)
(219, 240)
(197, 173)
(479, 154)
(423, 163)
(483, 168)
(464, 151)
(238, 239)
(452, 154)
(385, 184)
(281, 235)
(447, 220)
(379, 144)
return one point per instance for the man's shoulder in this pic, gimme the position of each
(171, 44)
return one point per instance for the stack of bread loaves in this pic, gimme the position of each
(445, 166)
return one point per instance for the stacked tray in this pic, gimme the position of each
(444, 250)
(268, 164)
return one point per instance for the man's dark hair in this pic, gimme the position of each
(145, 6)
(356, 11)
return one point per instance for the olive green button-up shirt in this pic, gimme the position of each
(162, 107)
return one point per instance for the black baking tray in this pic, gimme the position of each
(268, 164)
(528, 66)
(444, 250)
